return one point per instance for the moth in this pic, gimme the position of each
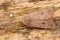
(40, 19)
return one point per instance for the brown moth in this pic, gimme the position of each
(40, 19)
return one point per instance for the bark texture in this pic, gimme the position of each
(11, 13)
